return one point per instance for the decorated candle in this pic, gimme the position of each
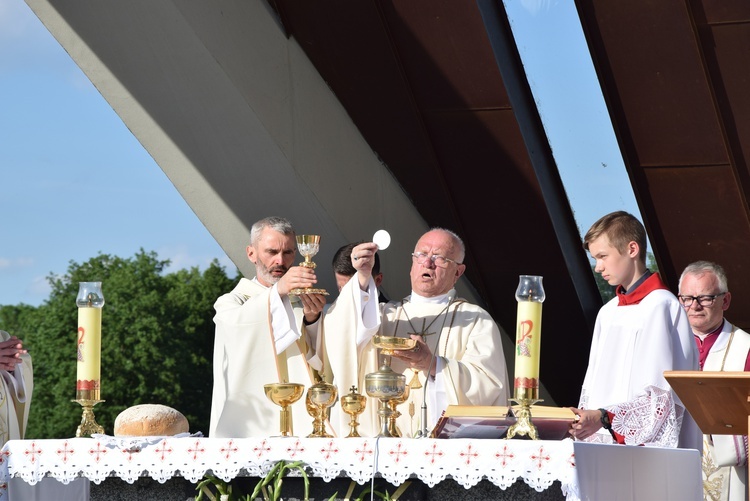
(89, 346)
(530, 295)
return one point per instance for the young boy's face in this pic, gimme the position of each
(615, 268)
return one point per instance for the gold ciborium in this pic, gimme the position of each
(308, 246)
(320, 397)
(385, 384)
(284, 395)
(354, 405)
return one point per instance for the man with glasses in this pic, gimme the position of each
(458, 358)
(638, 335)
(722, 347)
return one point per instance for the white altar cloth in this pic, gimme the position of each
(467, 461)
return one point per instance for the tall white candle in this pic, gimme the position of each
(89, 344)
(530, 295)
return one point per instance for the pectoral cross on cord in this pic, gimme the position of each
(414, 383)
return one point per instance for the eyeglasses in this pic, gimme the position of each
(705, 300)
(437, 259)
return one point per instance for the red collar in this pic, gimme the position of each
(649, 285)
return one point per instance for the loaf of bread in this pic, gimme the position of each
(147, 420)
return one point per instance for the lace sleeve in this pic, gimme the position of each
(651, 418)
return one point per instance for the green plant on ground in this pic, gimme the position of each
(270, 487)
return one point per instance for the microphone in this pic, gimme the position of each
(425, 432)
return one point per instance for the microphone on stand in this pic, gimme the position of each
(425, 432)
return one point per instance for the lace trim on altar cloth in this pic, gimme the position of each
(135, 444)
(503, 462)
(652, 418)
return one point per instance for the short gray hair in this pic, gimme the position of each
(456, 240)
(701, 267)
(279, 224)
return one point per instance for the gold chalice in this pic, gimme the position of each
(284, 395)
(308, 246)
(354, 405)
(392, 404)
(320, 397)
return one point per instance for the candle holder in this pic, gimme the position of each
(88, 425)
(90, 302)
(530, 296)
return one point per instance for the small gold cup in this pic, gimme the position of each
(392, 404)
(353, 404)
(284, 395)
(320, 397)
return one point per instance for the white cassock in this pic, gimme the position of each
(471, 368)
(17, 388)
(257, 342)
(631, 348)
(725, 456)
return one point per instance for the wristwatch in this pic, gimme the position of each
(606, 423)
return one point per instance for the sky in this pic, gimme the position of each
(74, 182)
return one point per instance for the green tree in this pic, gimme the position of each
(157, 341)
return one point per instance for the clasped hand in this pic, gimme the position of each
(10, 353)
(588, 422)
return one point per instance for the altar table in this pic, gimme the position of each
(467, 461)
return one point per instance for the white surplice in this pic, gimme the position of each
(631, 348)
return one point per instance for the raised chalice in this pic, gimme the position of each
(320, 397)
(353, 404)
(308, 246)
(284, 395)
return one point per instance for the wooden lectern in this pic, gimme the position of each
(718, 401)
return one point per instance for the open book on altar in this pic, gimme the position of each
(484, 421)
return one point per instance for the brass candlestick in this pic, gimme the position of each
(354, 405)
(320, 397)
(525, 398)
(88, 425)
(530, 296)
(284, 395)
(308, 246)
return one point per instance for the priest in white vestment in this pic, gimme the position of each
(704, 293)
(17, 387)
(458, 357)
(264, 335)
